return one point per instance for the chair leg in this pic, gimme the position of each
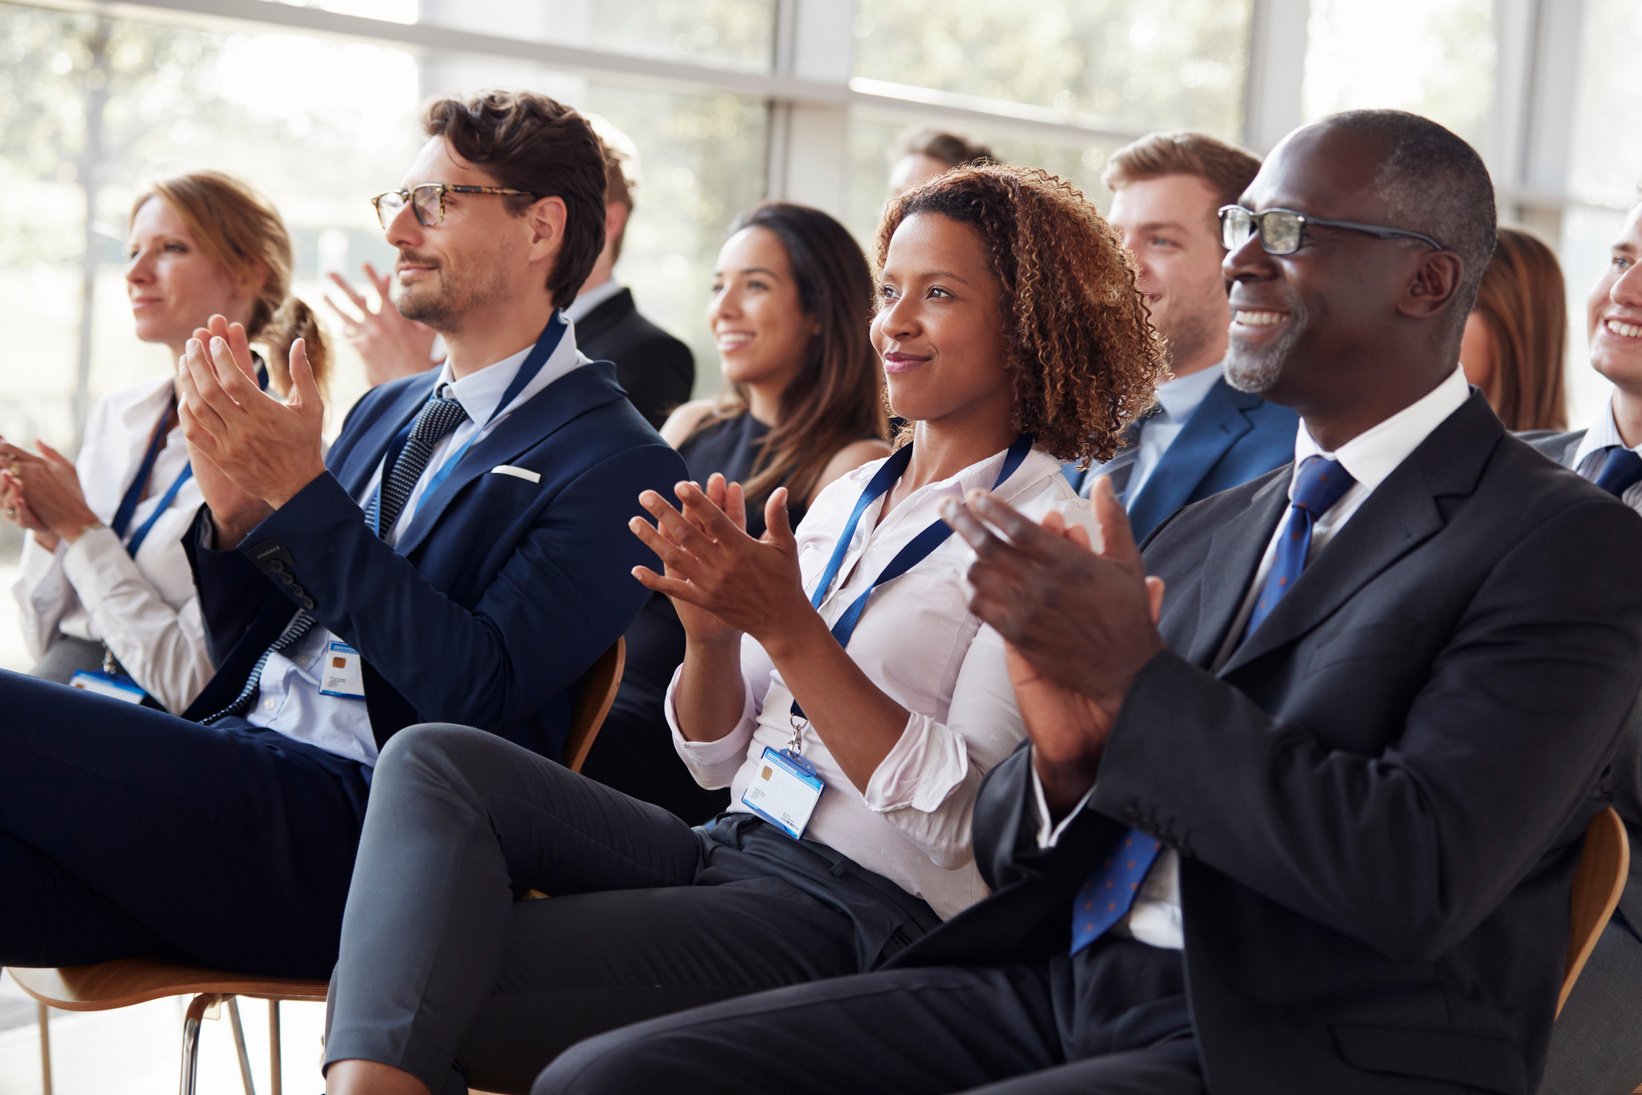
(239, 1046)
(276, 1079)
(44, 1014)
(191, 1040)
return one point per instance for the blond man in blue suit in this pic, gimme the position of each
(1205, 436)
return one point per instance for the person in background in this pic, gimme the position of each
(1596, 1045)
(1517, 335)
(657, 369)
(1204, 435)
(921, 154)
(106, 598)
(834, 678)
(790, 307)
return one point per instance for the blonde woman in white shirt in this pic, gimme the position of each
(834, 678)
(106, 598)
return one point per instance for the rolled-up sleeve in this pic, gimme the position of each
(713, 764)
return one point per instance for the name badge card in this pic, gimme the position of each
(341, 672)
(115, 687)
(784, 791)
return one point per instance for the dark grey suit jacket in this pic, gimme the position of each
(1378, 800)
(657, 369)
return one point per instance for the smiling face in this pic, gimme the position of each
(1168, 224)
(1318, 330)
(939, 330)
(173, 284)
(756, 314)
(473, 263)
(1614, 311)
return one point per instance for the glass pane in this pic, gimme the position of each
(1432, 57)
(1166, 64)
(875, 142)
(1606, 163)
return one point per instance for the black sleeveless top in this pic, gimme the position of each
(634, 750)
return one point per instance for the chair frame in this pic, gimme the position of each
(1604, 865)
(123, 982)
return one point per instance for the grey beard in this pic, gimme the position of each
(1257, 372)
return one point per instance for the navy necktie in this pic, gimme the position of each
(438, 417)
(1319, 485)
(1620, 469)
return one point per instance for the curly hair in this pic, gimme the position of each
(1083, 356)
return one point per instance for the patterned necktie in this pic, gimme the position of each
(1620, 469)
(1319, 485)
(1111, 888)
(439, 416)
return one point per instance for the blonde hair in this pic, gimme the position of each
(240, 228)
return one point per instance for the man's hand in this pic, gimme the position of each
(1079, 625)
(390, 345)
(252, 453)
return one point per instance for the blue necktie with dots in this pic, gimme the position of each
(1111, 888)
(1620, 469)
(1318, 485)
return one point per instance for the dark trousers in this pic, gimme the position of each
(1112, 1020)
(446, 974)
(126, 831)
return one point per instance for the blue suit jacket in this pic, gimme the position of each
(501, 593)
(1231, 438)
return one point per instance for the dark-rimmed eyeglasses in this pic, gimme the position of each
(1282, 231)
(427, 201)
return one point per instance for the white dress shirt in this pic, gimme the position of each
(1369, 458)
(589, 299)
(145, 609)
(1588, 458)
(290, 700)
(1177, 401)
(919, 643)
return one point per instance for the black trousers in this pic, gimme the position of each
(127, 831)
(447, 974)
(1111, 1020)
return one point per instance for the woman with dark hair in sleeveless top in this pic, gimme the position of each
(792, 300)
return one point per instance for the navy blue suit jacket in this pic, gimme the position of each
(1231, 438)
(501, 593)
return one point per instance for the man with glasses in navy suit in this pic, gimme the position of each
(461, 554)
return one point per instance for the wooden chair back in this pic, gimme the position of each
(1599, 879)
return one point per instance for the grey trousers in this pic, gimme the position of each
(66, 657)
(1596, 1045)
(446, 973)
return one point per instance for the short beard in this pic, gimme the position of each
(435, 313)
(1257, 372)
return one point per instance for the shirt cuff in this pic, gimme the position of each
(1048, 832)
(920, 770)
(95, 562)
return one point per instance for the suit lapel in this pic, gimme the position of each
(1211, 431)
(1401, 514)
(362, 459)
(1228, 567)
(526, 427)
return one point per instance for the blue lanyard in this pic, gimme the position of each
(134, 493)
(546, 343)
(916, 551)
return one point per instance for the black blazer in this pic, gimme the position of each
(1379, 799)
(657, 369)
(501, 593)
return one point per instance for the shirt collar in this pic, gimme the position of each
(1375, 453)
(1184, 394)
(589, 299)
(1604, 433)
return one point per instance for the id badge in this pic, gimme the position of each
(784, 791)
(114, 686)
(342, 672)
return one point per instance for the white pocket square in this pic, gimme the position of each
(518, 473)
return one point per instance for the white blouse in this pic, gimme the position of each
(145, 609)
(918, 642)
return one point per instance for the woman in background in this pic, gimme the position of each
(792, 298)
(106, 596)
(1517, 335)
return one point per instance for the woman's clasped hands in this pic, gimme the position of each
(41, 493)
(722, 581)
